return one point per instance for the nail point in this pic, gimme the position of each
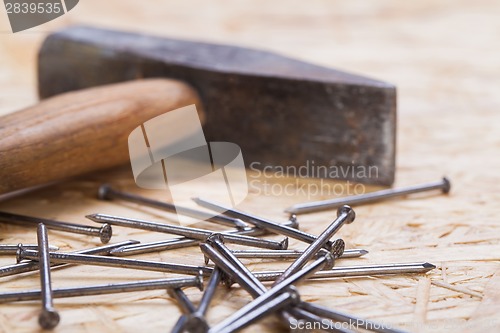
(91, 217)
(429, 265)
(117, 251)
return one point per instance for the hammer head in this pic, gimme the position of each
(281, 112)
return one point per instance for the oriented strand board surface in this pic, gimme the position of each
(442, 55)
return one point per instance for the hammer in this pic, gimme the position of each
(282, 112)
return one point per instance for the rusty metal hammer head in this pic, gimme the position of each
(281, 111)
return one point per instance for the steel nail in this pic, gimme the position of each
(346, 318)
(260, 222)
(106, 192)
(33, 265)
(344, 215)
(292, 254)
(49, 317)
(175, 243)
(352, 271)
(104, 233)
(105, 289)
(12, 249)
(444, 185)
(86, 259)
(336, 252)
(169, 244)
(195, 233)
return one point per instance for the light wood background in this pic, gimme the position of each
(444, 58)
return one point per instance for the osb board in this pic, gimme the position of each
(442, 55)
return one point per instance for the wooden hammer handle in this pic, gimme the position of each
(82, 131)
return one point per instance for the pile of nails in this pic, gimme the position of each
(280, 298)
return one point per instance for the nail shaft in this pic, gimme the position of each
(260, 222)
(106, 192)
(12, 249)
(105, 289)
(185, 304)
(209, 293)
(344, 215)
(86, 259)
(49, 317)
(182, 242)
(195, 233)
(33, 266)
(104, 233)
(443, 185)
